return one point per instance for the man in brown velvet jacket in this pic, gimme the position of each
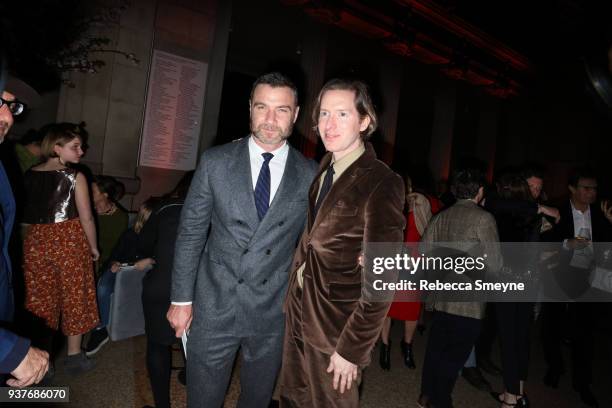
(331, 326)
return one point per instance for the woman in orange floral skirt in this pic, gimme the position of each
(60, 244)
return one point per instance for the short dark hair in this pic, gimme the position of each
(532, 170)
(513, 186)
(275, 80)
(109, 185)
(32, 136)
(580, 173)
(466, 183)
(363, 102)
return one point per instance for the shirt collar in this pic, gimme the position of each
(255, 150)
(346, 161)
(577, 211)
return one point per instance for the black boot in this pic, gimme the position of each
(385, 356)
(407, 354)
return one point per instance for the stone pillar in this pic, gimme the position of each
(216, 72)
(391, 84)
(188, 28)
(313, 59)
(441, 147)
(487, 133)
(112, 102)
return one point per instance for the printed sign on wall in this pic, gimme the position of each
(175, 99)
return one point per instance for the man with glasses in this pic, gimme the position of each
(582, 223)
(26, 364)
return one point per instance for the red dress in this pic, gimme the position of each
(410, 311)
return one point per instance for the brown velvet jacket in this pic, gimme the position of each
(364, 205)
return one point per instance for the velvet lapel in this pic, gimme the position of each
(344, 183)
(240, 182)
(314, 188)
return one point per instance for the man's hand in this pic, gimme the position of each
(180, 318)
(551, 212)
(144, 264)
(31, 370)
(578, 243)
(115, 267)
(606, 208)
(344, 371)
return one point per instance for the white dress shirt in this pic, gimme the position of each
(582, 221)
(277, 167)
(276, 164)
(582, 258)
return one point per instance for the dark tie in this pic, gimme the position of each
(327, 184)
(262, 188)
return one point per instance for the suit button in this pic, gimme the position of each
(263, 282)
(240, 280)
(239, 222)
(246, 251)
(280, 224)
(268, 252)
(297, 264)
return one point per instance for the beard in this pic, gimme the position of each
(281, 134)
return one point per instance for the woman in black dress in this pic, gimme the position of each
(519, 220)
(157, 241)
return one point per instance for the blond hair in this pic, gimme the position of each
(144, 212)
(56, 136)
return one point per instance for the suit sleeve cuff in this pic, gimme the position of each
(15, 355)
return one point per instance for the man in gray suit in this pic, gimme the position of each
(239, 227)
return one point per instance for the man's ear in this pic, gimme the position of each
(365, 122)
(297, 111)
(571, 188)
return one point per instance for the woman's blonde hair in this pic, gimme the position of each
(144, 212)
(56, 136)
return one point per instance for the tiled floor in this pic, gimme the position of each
(120, 380)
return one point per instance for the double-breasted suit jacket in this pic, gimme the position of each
(233, 266)
(330, 312)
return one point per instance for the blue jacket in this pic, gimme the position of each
(12, 347)
(13, 350)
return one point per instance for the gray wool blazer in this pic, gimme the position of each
(233, 267)
(465, 225)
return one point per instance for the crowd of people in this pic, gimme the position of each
(260, 250)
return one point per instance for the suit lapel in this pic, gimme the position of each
(241, 182)
(314, 189)
(286, 192)
(344, 183)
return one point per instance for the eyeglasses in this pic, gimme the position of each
(15, 107)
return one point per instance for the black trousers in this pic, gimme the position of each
(488, 333)
(574, 321)
(450, 342)
(514, 322)
(159, 365)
